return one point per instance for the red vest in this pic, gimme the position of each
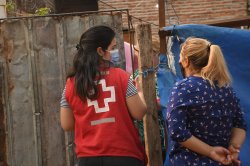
(104, 127)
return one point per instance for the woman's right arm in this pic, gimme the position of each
(67, 119)
(66, 114)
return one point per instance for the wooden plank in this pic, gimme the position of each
(236, 22)
(162, 23)
(151, 126)
(233, 23)
(3, 135)
(161, 5)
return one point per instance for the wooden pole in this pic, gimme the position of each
(162, 19)
(161, 4)
(150, 121)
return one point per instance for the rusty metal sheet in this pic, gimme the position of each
(18, 93)
(3, 137)
(36, 53)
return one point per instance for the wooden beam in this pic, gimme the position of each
(237, 22)
(150, 121)
(3, 133)
(162, 19)
(233, 23)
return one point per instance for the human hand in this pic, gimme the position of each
(235, 150)
(221, 155)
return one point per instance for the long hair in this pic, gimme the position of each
(207, 59)
(86, 63)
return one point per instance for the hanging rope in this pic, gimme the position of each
(170, 4)
(146, 71)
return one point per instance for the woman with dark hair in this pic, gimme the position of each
(100, 102)
(205, 121)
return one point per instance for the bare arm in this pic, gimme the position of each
(197, 146)
(216, 153)
(136, 103)
(238, 137)
(238, 134)
(67, 119)
(180, 133)
(136, 106)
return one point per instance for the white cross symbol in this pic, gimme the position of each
(106, 100)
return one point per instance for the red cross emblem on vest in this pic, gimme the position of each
(106, 101)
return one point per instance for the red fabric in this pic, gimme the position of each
(119, 138)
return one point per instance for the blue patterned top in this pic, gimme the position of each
(208, 113)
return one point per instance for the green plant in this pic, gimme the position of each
(43, 11)
(10, 6)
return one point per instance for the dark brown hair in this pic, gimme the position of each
(87, 61)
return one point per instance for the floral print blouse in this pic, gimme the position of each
(208, 113)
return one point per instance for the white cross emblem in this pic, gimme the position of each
(106, 100)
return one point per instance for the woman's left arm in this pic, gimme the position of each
(237, 137)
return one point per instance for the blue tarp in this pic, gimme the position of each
(235, 45)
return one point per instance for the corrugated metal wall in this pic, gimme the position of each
(35, 54)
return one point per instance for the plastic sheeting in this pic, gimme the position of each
(236, 49)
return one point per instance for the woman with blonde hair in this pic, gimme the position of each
(204, 118)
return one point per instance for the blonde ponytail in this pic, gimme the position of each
(216, 68)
